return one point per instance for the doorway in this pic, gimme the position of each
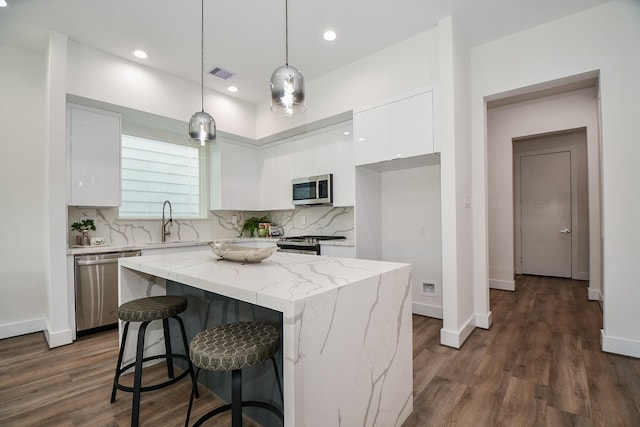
(551, 210)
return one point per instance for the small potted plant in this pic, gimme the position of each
(83, 227)
(251, 225)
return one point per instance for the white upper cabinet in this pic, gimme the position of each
(276, 172)
(328, 151)
(303, 157)
(371, 135)
(94, 156)
(399, 128)
(234, 176)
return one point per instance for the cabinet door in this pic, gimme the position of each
(303, 157)
(411, 126)
(268, 178)
(284, 176)
(239, 177)
(333, 153)
(94, 157)
(371, 135)
(276, 171)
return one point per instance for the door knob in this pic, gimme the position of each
(565, 231)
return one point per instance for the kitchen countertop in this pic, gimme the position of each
(86, 250)
(346, 326)
(95, 249)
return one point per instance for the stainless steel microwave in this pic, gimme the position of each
(313, 190)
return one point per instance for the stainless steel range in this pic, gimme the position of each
(304, 244)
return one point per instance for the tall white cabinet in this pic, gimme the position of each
(93, 138)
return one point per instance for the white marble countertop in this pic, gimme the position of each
(95, 249)
(82, 250)
(274, 283)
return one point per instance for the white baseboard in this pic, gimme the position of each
(427, 310)
(58, 338)
(619, 345)
(581, 275)
(484, 320)
(594, 294)
(503, 285)
(455, 339)
(21, 328)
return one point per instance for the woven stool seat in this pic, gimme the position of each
(234, 346)
(152, 308)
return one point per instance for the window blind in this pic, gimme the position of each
(155, 171)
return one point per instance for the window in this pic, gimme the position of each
(154, 171)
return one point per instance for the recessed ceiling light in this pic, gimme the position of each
(140, 54)
(329, 35)
(3, 3)
(232, 89)
(346, 132)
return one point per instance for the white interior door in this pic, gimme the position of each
(545, 192)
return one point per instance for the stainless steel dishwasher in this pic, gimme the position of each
(96, 283)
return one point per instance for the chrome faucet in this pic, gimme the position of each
(166, 231)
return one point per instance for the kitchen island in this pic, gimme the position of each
(346, 327)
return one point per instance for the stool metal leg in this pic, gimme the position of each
(186, 349)
(194, 392)
(167, 347)
(120, 355)
(236, 398)
(137, 382)
(275, 368)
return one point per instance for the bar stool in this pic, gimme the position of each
(232, 347)
(145, 311)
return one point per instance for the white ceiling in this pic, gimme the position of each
(246, 37)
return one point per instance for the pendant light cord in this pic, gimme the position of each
(202, 54)
(286, 32)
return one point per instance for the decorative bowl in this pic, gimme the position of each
(241, 254)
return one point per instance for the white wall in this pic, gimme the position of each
(553, 113)
(400, 68)
(604, 38)
(97, 75)
(462, 310)
(411, 230)
(22, 176)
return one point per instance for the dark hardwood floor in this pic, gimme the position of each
(539, 364)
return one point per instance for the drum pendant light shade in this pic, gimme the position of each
(287, 91)
(287, 83)
(202, 127)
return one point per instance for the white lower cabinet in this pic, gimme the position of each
(234, 176)
(94, 156)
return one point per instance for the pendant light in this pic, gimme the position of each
(287, 83)
(202, 127)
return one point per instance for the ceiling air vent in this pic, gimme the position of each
(221, 73)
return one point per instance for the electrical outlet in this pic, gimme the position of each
(429, 288)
